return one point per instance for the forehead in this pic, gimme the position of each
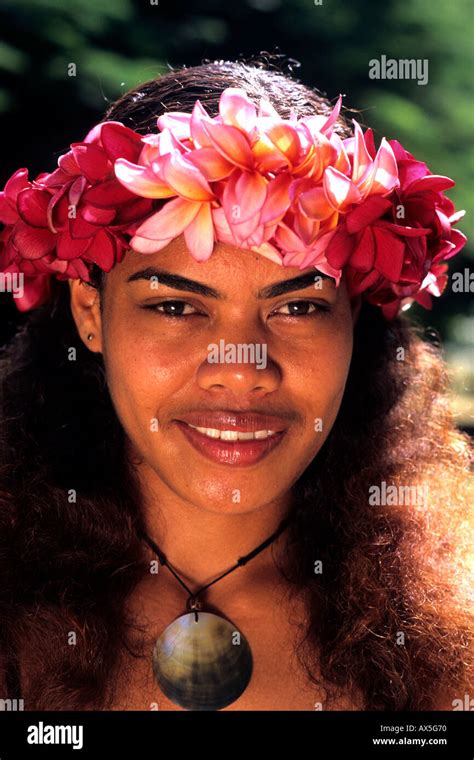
(227, 269)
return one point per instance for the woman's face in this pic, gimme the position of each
(236, 350)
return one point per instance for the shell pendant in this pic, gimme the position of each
(202, 662)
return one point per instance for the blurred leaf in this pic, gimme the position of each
(103, 73)
(12, 59)
(5, 100)
(89, 15)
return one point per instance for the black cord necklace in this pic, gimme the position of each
(201, 661)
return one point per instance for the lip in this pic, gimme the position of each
(242, 422)
(235, 453)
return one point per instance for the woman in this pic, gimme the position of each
(116, 510)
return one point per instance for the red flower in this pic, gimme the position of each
(76, 216)
(290, 189)
(392, 246)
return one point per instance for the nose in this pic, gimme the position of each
(239, 368)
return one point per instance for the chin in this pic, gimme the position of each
(226, 494)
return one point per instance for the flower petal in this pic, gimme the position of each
(70, 248)
(317, 256)
(139, 180)
(269, 252)
(459, 240)
(326, 128)
(33, 207)
(199, 136)
(230, 142)
(144, 245)
(211, 163)
(36, 292)
(363, 254)
(368, 211)
(433, 182)
(101, 251)
(80, 229)
(362, 159)
(32, 242)
(101, 216)
(92, 161)
(76, 189)
(389, 254)
(184, 178)
(267, 156)
(339, 248)
(8, 210)
(265, 109)
(17, 182)
(324, 155)
(406, 231)
(277, 200)
(314, 204)
(286, 140)
(244, 196)
(177, 122)
(170, 221)
(342, 162)
(199, 234)
(68, 165)
(120, 142)
(370, 143)
(287, 239)
(221, 226)
(236, 109)
(382, 175)
(340, 190)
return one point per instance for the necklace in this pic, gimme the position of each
(201, 661)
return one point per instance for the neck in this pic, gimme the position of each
(201, 545)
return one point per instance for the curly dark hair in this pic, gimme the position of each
(70, 509)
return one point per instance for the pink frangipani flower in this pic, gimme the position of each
(290, 189)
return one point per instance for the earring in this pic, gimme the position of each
(90, 336)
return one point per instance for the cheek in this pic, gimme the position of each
(318, 377)
(142, 372)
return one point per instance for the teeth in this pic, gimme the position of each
(233, 435)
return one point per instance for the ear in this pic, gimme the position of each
(85, 308)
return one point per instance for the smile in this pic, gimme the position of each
(233, 435)
(231, 447)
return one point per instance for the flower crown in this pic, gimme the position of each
(289, 189)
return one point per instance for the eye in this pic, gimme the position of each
(299, 309)
(175, 308)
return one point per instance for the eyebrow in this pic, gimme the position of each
(193, 286)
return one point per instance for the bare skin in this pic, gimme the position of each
(270, 621)
(157, 369)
